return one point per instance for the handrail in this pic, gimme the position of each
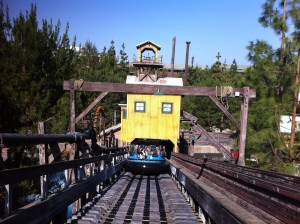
(104, 164)
(55, 203)
(12, 139)
(14, 175)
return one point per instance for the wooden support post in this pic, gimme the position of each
(191, 148)
(73, 129)
(3, 153)
(186, 72)
(42, 159)
(8, 200)
(72, 106)
(243, 129)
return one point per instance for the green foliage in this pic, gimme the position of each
(272, 75)
(36, 61)
(208, 114)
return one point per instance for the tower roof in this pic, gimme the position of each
(148, 42)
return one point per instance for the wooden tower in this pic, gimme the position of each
(151, 118)
(147, 66)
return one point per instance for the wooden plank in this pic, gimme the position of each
(91, 106)
(225, 111)
(149, 89)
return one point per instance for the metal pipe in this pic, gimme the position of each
(186, 62)
(9, 139)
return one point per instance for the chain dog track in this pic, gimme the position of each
(138, 199)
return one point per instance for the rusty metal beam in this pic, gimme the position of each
(149, 89)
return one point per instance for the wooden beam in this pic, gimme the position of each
(149, 89)
(243, 131)
(215, 143)
(198, 128)
(72, 105)
(91, 106)
(225, 111)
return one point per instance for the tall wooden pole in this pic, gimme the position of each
(72, 172)
(243, 129)
(72, 106)
(173, 56)
(186, 63)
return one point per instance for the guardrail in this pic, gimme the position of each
(88, 176)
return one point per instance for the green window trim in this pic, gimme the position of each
(167, 108)
(140, 106)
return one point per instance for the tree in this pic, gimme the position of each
(124, 57)
(272, 76)
(34, 64)
(276, 15)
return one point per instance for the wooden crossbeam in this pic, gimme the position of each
(149, 89)
(225, 111)
(91, 106)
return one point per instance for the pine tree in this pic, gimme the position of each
(124, 57)
(35, 62)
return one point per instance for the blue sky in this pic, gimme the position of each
(212, 26)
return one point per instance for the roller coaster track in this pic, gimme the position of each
(270, 196)
(138, 199)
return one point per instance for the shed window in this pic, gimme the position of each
(167, 108)
(139, 106)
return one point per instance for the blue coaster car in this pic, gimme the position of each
(148, 165)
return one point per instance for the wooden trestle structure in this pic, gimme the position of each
(245, 93)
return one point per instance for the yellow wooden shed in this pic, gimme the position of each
(152, 118)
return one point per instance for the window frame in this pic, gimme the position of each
(139, 110)
(164, 104)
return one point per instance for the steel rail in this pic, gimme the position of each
(266, 194)
(236, 173)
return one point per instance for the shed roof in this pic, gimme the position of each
(148, 42)
(167, 81)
